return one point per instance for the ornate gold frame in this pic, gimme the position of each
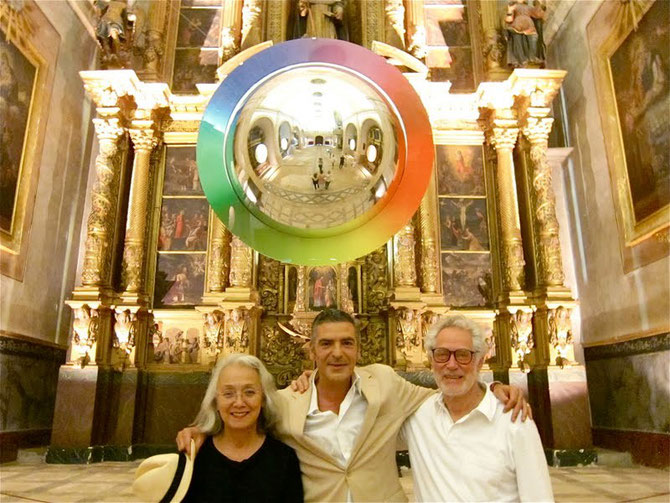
(602, 46)
(40, 47)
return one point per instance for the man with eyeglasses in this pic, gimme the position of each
(344, 420)
(462, 446)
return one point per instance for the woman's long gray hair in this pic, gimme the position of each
(208, 419)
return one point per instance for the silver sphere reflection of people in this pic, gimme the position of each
(240, 459)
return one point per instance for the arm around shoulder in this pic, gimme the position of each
(409, 396)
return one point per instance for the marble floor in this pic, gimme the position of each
(24, 482)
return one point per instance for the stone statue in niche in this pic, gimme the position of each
(522, 338)
(124, 338)
(237, 336)
(560, 333)
(523, 27)
(321, 19)
(118, 30)
(85, 328)
(213, 341)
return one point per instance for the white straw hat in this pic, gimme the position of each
(165, 477)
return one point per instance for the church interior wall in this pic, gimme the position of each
(621, 319)
(624, 308)
(34, 322)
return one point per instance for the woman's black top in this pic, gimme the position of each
(271, 474)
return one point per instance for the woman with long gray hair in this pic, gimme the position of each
(240, 459)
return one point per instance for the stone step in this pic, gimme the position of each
(32, 456)
(607, 457)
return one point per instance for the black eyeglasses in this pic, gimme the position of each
(462, 356)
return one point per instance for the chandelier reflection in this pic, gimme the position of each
(315, 147)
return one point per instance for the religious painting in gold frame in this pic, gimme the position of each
(630, 49)
(28, 52)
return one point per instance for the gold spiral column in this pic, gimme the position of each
(404, 268)
(218, 266)
(543, 204)
(241, 261)
(96, 270)
(144, 140)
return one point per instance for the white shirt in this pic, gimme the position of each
(337, 433)
(483, 456)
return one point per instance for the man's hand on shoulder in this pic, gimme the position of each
(301, 384)
(185, 436)
(513, 398)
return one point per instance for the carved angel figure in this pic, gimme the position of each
(522, 337)
(560, 333)
(213, 340)
(408, 332)
(124, 330)
(85, 328)
(237, 339)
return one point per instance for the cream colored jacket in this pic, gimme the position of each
(371, 474)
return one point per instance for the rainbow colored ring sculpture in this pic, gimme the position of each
(315, 246)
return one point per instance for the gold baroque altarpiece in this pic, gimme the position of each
(155, 296)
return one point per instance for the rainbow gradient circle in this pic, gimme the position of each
(332, 245)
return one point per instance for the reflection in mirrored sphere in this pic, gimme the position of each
(315, 147)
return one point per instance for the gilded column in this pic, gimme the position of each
(231, 29)
(346, 296)
(430, 257)
(492, 13)
(503, 136)
(543, 201)
(219, 257)
(300, 290)
(154, 48)
(404, 270)
(416, 29)
(144, 140)
(100, 226)
(241, 262)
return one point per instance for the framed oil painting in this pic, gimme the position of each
(16, 89)
(466, 279)
(183, 225)
(27, 62)
(181, 173)
(180, 279)
(322, 288)
(632, 64)
(199, 27)
(463, 224)
(460, 170)
(194, 66)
